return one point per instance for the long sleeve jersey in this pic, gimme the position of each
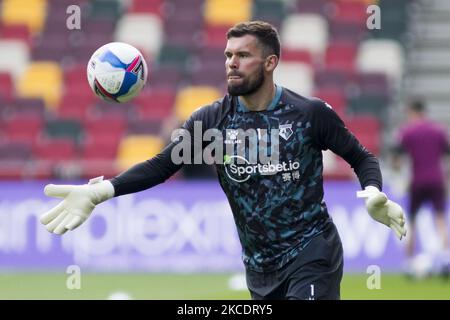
(277, 204)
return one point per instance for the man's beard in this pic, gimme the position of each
(247, 87)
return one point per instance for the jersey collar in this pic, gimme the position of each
(278, 90)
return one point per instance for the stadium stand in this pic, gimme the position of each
(50, 119)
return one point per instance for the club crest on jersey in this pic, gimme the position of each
(286, 130)
(232, 136)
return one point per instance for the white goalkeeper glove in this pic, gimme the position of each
(78, 203)
(384, 210)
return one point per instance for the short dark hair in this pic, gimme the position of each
(266, 34)
(417, 105)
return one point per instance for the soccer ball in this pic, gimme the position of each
(117, 72)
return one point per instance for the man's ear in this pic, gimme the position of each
(271, 62)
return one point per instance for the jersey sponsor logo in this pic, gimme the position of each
(286, 130)
(241, 170)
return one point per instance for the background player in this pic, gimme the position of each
(426, 143)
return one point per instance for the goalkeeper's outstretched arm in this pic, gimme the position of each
(78, 201)
(332, 134)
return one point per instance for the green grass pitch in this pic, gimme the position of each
(197, 286)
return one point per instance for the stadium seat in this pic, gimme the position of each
(75, 106)
(296, 55)
(320, 7)
(17, 32)
(174, 55)
(349, 11)
(366, 2)
(50, 44)
(74, 75)
(297, 77)
(183, 14)
(46, 53)
(214, 55)
(97, 148)
(367, 131)
(78, 97)
(102, 108)
(55, 150)
(215, 36)
(341, 56)
(334, 97)
(23, 128)
(54, 20)
(394, 28)
(333, 79)
(305, 31)
(135, 30)
(15, 151)
(372, 83)
(147, 6)
(4, 108)
(137, 148)
(42, 80)
(7, 90)
(109, 10)
(272, 11)
(183, 29)
(227, 12)
(184, 11)
(59, 7)
(190, 7)
(208, 73)
(17, 49)
(87, 44)
(99, 27)
(186, 37)
(64, 128)
(209, 67)
(14, 157)
(76, 84)
(95, 127)
(394, 20)
(30, 12)
(369, 104)
(28, 107)
(155, 104)
(144, 127)
(191, 98)
(347, 31)
(99, 156)
(165, 76)
(377, 55)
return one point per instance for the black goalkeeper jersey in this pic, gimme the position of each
(277, 205)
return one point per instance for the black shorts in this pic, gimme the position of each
(315, 274)
(421, 194)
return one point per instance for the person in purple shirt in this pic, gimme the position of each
(426, 143)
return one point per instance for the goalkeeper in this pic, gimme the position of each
(291, 248)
